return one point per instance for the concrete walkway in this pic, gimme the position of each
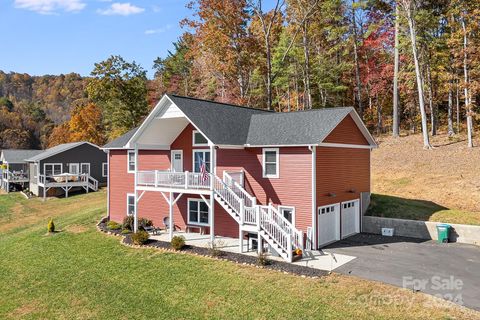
(313, 259)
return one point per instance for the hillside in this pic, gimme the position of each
(447, 177)
(80, 273)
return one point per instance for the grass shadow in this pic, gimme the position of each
(401, 208)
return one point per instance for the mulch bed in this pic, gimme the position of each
(218, 254)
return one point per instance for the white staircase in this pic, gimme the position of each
(278, 232)
(92, 183)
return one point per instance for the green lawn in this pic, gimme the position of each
(80, 273)
(402, 208)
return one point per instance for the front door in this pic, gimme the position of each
(177, 160)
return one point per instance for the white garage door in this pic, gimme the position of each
(328, 224)
(350, 218)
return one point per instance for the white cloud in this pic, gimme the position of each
(159, 30)
(50, 6)
(122, 9)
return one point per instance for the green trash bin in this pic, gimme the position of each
(443, 231)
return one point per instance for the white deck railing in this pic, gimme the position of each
(15, 176)
(64, 179)
(176, 180)
(250, 202)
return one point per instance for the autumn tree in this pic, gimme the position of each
(120, 89)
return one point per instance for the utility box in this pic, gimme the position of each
(388, 232)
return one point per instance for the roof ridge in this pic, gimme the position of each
(223, 103)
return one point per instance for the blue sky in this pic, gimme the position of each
(61, 36)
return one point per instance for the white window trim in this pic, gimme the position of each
(172, 152)
(194, 223)
(277, 160)
(128, 161)
(53, 168)
(128, 196)
(203, 151)
(198, 144)
(35, 170)
(281, 208)
(70, 165)
(104, 164)
(81, 165)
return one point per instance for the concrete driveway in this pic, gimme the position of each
(450, 271)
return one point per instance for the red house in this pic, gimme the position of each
(296, 180)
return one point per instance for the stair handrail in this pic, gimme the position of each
(231, 198)
(250, 201)
(281, 237)
(297, 235)
(93, 181)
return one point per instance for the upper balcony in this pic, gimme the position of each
(181, 181)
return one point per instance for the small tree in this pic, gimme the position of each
(51, 226)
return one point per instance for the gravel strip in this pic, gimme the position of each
(223, 255)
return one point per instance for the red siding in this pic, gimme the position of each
(346, 132)
(292, 188)
(152, 205)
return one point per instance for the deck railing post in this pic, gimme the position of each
(289, 247)
(242, 211)
(186, 179)
(156, 178)
(257, 213)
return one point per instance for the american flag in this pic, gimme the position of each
(203, 171)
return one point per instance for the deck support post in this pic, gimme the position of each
(170, 216)
(212, 217)
(240, 239)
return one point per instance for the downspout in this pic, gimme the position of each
(135, 220)
(108, 183)
(313, 149)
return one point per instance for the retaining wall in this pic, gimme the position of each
(421, 229)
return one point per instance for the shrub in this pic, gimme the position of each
(262, 259)
(51, 226)
(178, 242)
(112, 225)
(140, 237)
(128, 222)
(126, 231)
(214, 248)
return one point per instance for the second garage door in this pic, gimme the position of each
(350, 218)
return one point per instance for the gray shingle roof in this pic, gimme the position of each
(294, 128)
(55, 150)
(119, 142)
(221, 123)
(18, 155)
(226, 124)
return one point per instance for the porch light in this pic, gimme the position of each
(332, 195)
(352, 190)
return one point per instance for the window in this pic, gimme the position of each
(35, 169)
(130, 204)
(199, 139)
(326, 209)
(85, 168)
(197, 212)
(104, 169)
(270, 163)
(288, 213)
(200, 156)
(131, 161)
(52, 169)
(73, 168)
